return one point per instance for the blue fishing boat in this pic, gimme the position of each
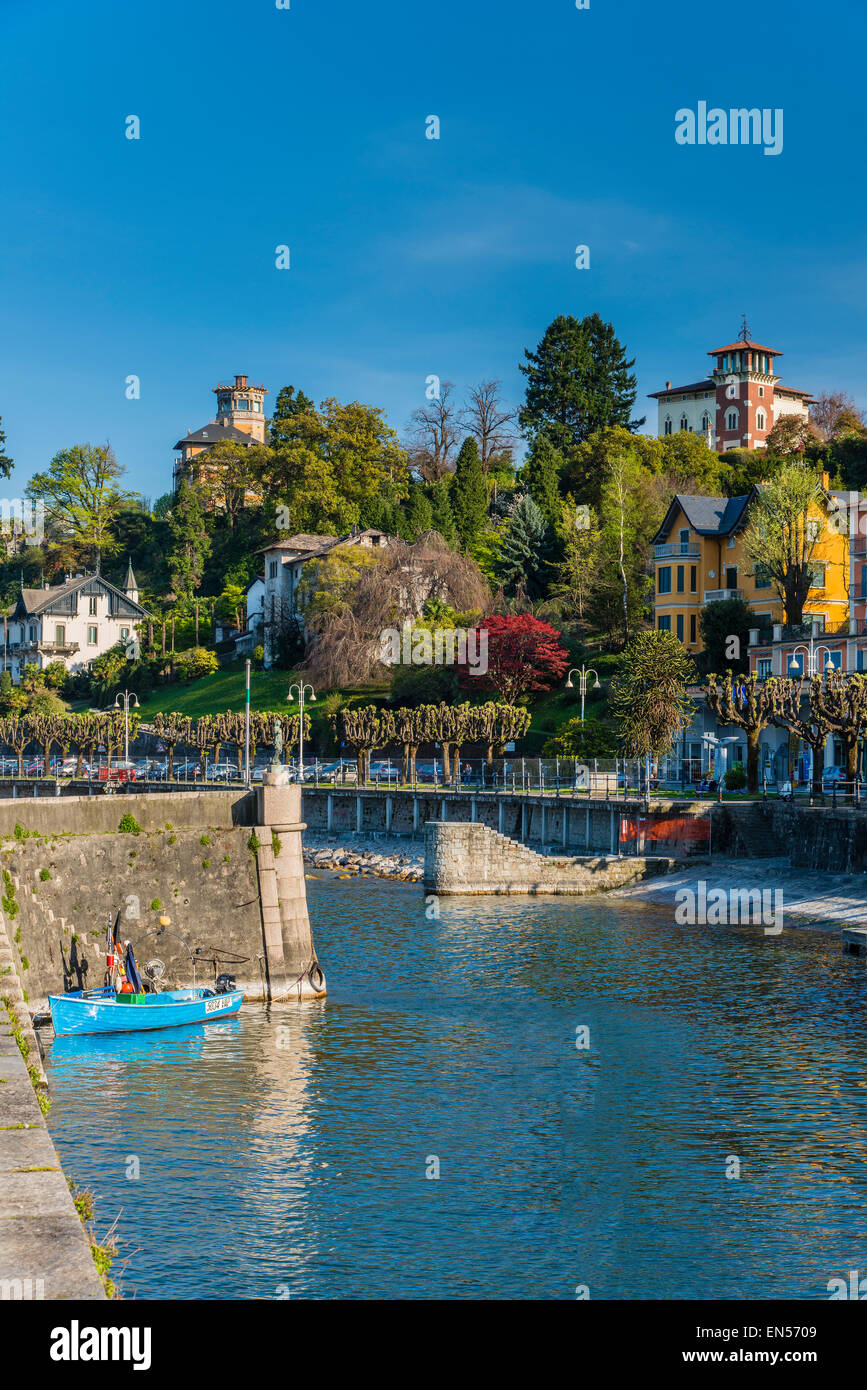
(106, 1011)
(123, 1006)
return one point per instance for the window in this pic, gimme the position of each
(680, 627)
(92, 602)
(732, 420)
(272, 569)
(663, 622)
(863, 581)
(705, 422)
(731, 576)
(760, 420)
(666, 429)
(692, 628)
(835, 658)
(817, 580)
(763, 579)
(243, 405)
(91, 637)
(693, 579)
(32, 632)
(665, 579)
(683, 536)
(731, 542)
(681, 576)
(124, 634)
(764, 668)
(812, 530)
(60, 635)
(860, 659)
(684, 423)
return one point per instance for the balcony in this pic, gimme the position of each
(679, 550)
(720, 595)
(46, 648)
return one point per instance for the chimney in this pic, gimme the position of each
(240, 383)
(668, 386)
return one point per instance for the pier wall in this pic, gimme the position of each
(473, 859)
(811, 837)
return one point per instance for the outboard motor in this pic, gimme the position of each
(224, 984)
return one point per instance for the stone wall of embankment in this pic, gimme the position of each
(812, 837)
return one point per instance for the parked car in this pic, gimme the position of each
(223, 772)
(384, 772)
(833, 774)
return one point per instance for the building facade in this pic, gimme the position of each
(74, 622)
(698, 558)
(737, 405)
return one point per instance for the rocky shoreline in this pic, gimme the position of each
(388, 857)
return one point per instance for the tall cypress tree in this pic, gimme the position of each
(578, 381)
(525, 550)
(419, 512)
(442, 514)
(541, 474)
(469, 497)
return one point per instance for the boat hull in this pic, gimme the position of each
(97, 1011)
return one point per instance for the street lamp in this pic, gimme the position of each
(582, 675)
(812, 656)
(126, 696)
(301, 687)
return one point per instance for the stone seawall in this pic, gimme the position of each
(812, 837)
(473, 859)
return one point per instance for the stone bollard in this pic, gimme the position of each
(293, 970)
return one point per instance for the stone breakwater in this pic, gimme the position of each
(395, 859)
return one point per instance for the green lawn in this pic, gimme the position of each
(225, 691)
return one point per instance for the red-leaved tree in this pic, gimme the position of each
(523, 654)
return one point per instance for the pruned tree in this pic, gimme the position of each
(749, 704)
(802, 717)
(172, 729)
(841, 701)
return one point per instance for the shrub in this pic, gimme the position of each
(129, 825)
(259, 657)
(735, 778)
(44, 875)
(156, 904)
(195, 663)
(204, 840)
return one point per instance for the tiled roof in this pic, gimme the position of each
(749, 344)
(707, 385)
(212, 433)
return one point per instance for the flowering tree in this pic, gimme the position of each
(524, 654)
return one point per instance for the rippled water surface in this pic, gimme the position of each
(285, 1154)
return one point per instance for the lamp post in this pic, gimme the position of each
(812, 657)
(301, 687)
(126, 696)
(582, 673)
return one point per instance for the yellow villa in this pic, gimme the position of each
(698, 558)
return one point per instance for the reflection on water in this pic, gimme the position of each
(283, 1154)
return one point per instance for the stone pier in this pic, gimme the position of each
(293, 970)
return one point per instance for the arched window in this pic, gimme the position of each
(732, 420)
(684, 423)
(667, 425)
(705, 423)
(760, 420)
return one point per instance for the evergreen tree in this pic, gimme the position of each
(541, 474)
(5, 461)
(525, 550)
(469, 496)
(578, 381)
(191, 543)
(442, 516)
(289, 406)
(419, 512)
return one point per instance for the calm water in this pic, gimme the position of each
(293, 1165)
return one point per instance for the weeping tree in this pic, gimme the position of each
(749, 704)
(808, 724)
(842, 701)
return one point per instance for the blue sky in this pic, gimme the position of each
(306, 126)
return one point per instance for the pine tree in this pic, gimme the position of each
(469, 497)
(525, 549)
(442, 515)
(5, 461)
(191, 543)
(541, 474)
(578, 381)
(419, 512)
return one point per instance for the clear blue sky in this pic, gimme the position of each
(306, 126)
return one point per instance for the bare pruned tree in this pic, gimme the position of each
(491, 423)
(345, 644)
(433, 435)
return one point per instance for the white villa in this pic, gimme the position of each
(74, 622)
